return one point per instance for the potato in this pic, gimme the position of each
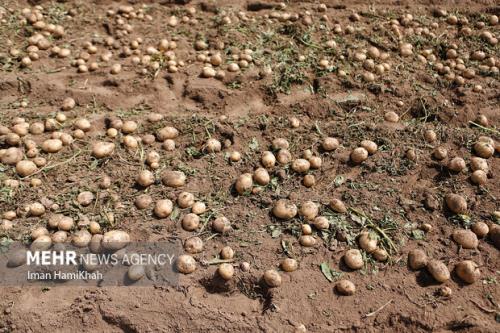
(309, 210)
(456, 203)
(136, 272)
(261, 176)
(221, 225)
(185, 264)
(465, 238)
(83, 124)
(190, 222)
(173, 178)
(301, 165)
(380, 255)
(368, 241)
(284, 209)
(102, 149)
(11, 156)
(17, 258)
(129, 126)
(479, 177)
(227, 252)
(95, 245)
(167, 132)
(143, 201)
(244, 183)
(198, 208)
(245, 266)
(315, 162)
(345, 287)
(226, 271)
(440, 153)
(68, 104)
(309, 180)
(307, 240)
(145, 178)
(169, 145)
(338, 206)
(438, 270)
(94, 227)
(430, 136)
(185, 200)
(353, 259)
(40, 231)
(193, 245)
(42, 243)
(85, 198)
(495, 235)
(289, 265)
(163, 208)
(65, 223)
(417, 259)
(272, 278)
(81, 238)
(481, 229)
(284, 156)
(478, 163)
(36, 209)
(321, 223)
(235, 156)
(280, 143)
(468, 271)
(456, 164)
(213, 146)
(306, 229)
(391, 117)
(330, 144)
(484, 149)
(359, 155)
(370, 146)
(26, 168)
(115, 240)
(52, 145)
(268, 159)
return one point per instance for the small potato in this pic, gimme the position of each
(36, 209)
(465, 238)
(284, 156)
(52, 145)
(42, 243)
(129, 127)
(309, 210)
(268, 159)
(185, 264)
(143, 201)
(145, 178)
(284, 209)
(330, 144)
(456, 203)
(193, 245)
(468, 271)
(345, 287)
(185, 200)
(417, 259)
(40, 231)
(479, 177)
(66, 223)
(321, 223)
(221, 225)
(289, 265)
(370, 146)
(167, 132)
(198, 208)
(359, 155)
(440, 153)
(26, 168)
(163, 208)
(315, 162)
(481, 229)
(478, 163)
(68, 104)
(368, 241)
(11, 156)
(115, 240)
(338, 206)
(173, 178)
(244, 183)
(213, 146)
(102, 149)
(136, 272)
(307, 240)
(261, 176)
(81, 238)
(301, 165)
(309, 181)
(226, 271)
(227, 253)
(85, 198)
(190, 222)
(456, 164)
(484, 149)
(380, 255)
(353, 259)
(438, 270)
(280, 143)
(94, 228)
(272, 278)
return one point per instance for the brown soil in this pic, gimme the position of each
(388, 188)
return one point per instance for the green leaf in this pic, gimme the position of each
(254, 144)
(418, 234)
(276, 233)
(329, 273)
(339, 180)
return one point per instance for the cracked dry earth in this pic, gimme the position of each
(332, 90)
